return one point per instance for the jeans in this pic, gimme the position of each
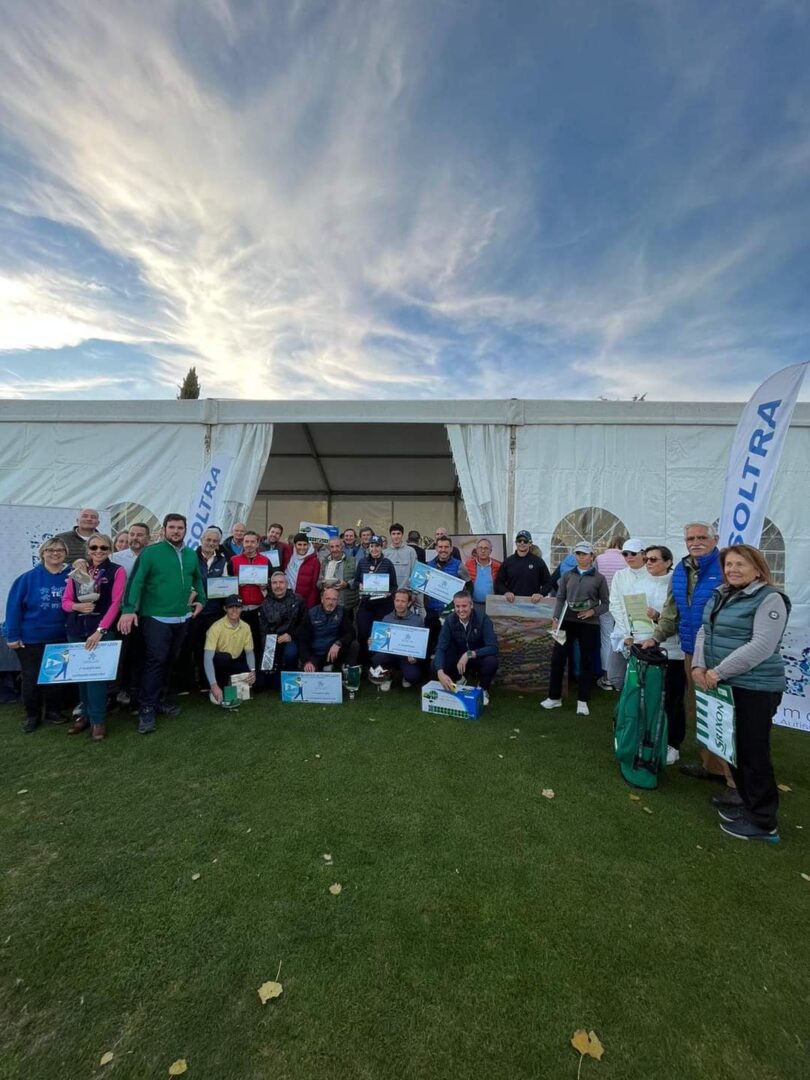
(93, 697)
(162, 643)
(347, 656)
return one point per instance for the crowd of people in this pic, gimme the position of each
(717, 614)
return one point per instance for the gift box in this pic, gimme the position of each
(465, 703)
(241, 686)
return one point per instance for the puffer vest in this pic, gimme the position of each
(690, 613)
(728, 624)
(325, 628)
(82, 626)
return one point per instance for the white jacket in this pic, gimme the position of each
(625, 583)
(657, 589)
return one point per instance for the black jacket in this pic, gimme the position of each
(523, 575)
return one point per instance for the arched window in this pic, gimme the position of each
(590, 523)
(772, 546)
(124, 514)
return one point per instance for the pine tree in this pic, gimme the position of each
(190, 388)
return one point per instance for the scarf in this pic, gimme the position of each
(294, 565)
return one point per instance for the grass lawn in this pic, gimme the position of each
(478, 926)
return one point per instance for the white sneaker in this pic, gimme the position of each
(551, 703)
(405, 684)
(486, 697)
(604, 684)
(582, 708)
(673, 755)
(385, 685)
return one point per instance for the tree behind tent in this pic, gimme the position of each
(190, 387)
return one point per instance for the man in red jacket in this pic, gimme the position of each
(250, 594)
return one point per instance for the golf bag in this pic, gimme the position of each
(640, 724)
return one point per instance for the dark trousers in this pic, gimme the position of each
(753, 774)
(588, 638)
(347, 655)
(674, 702)
(162, 643)
(33, 696)
(368, 614)
(226, 665)
(411, 673)
(130, 670)
(252, 620)
(485, 666)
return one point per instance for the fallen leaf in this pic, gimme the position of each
(646, 809)
(547, 793)
(214, 860)
(270, 990)
(513, 736)
(250, 830)
(784, 787)
(698, 847)
(806, 877)
(587, 1043)
(635, 798)
(516, 730)
(327, 858)
(106, 1058)
(500, 755)
(195, 877)
(317, 755)
(23, 791)
(177, 1068)
(336, 889)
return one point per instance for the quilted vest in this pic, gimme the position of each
(325, 628)
(728, 625)
(691, 612)
(82, 626)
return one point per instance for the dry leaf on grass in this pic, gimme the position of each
(272, 989)
(635, 798)
(586, 1043)
(646, 809)
(806, 877)
(177, 1068)
(784, 787)
(106, 1058)
(547, 793)
(195, 877)
(336, 889)
(516, 730)
(326, 858)
(23, 791)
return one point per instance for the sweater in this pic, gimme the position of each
(403, 559)
(250, 595)
(626, 582)
(580, 592)
(523, 575)
(161, 584)
(34, 613)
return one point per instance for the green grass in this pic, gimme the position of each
(479, 924)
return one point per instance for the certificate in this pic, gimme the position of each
(375, 583)
(438, 585)
(217, 588)
(399, 639)
(73, 663)
(269, 654)
(273, 558)
(635, 604)
(315, 687)
(253, 574)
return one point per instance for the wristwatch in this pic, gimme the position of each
(469, 654)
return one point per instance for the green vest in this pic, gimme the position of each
(729, 627)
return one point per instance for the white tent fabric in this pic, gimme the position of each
(481, 458)
(156, 465)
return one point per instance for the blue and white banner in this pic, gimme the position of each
(318, 532)
(205, 507)
(755, 454)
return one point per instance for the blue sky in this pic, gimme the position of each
(397, 198)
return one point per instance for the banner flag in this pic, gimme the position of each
(755, 454)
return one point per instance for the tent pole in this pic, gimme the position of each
(510, 483)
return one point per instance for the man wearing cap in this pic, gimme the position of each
(374, 606)
(228, 650)
(626, 582)
(523, 573)
(582, 598)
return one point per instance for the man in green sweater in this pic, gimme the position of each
(164, 591)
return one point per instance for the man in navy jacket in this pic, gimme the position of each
(466, 643)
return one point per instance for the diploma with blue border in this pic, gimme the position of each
(218, 588)
(312, 687)
(375, 583)
(398, 639)
(254, 574)
(72, 663)
(438, 585)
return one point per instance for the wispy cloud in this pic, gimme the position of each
(406, 200)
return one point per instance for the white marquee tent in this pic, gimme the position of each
(559, 468)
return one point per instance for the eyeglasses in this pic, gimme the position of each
(653, 558)
(630, 554)
(97, 547)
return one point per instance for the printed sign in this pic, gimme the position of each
(72, 663)
(435, 583)
(466, 703)
(715, 722)
(318, 532)
(794, 708)
(218, 588)
(398, 639)
(254, 574)
(312, 688)
(375, 583)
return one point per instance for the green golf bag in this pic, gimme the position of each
(640, 724)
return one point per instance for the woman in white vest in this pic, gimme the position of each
(658, 560)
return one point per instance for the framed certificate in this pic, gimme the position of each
(254, 574)
(375, 583)
(218, 588)
(73, 663)
(315, 687)
(398, 639)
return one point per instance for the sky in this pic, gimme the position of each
(403, 199)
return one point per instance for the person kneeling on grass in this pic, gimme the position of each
(384, 664)
(466, 643)
(327, 635)
(228, 650)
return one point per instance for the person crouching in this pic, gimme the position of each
(467, 643)
(327, 635)
(228, 650)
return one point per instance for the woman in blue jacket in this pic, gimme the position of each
(34, 619)
(738, 645)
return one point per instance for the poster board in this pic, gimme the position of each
(794, 708)
(524, 641)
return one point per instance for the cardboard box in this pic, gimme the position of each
(465, 704)
(241, 686)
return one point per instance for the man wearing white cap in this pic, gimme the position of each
(627, 582)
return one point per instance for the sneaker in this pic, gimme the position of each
(729, 797)
(603, 683)
(146, 722)
(697, 772)
(730, 813)
(673, 755)
(486, 697)
(122, 697)
(582, 708)
(406, 685)
(743, 829)
(551, 703)
(385, 685)
(165, 709)
(31, 724)
(77, 711)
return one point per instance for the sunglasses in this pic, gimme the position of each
(630, 554)
(98, 547)
(653, 558)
